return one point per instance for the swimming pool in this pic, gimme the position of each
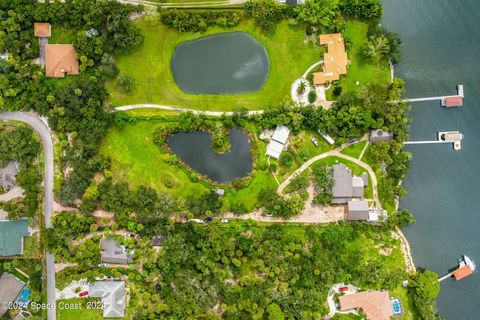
(397, 306)
(24, 297)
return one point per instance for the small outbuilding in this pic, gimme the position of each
(380, 135)
(456, 101)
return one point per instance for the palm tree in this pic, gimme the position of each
(301, 87)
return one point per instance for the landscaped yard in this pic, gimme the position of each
(365, 72)
(77, 314)
(288, 52)
(61, 35)
(355, 150)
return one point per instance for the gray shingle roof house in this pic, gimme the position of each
(7, 175)
(358, 210)
(380, 135)
(113, 252)
(346, 186)
(113, 298)
(10, 289)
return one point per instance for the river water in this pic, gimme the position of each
(442, 49)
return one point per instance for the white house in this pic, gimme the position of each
(278, 142)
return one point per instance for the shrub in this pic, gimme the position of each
(312, 96)
(309, 30)
(168, 181)
(199, 20)
(337, 90)
(126, 83)
(286, 159)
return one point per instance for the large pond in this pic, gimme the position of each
(225, 63)
(194, 148)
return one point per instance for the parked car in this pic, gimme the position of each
(83, 294)
(343, 289)
(101, 265)
(209, 219)
(269, 214)
(225, 221)
(129, 235)
(315, 142)
(196, 220)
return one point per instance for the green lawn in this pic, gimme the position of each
(365, 72)
(137, 159)
(288, 52)
(61, 35)
(80, 314)
(354, 150)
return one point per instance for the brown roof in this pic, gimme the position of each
(60, 59)
(453, 101)
(462, 272)
(42, 29)
(375, 304)
(334, 61)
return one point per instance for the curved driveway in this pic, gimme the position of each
(335, 153)
(43, 130)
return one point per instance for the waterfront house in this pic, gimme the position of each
(358, 210)
(278, 142)
(334, 60)
(10, 289)
(346, 186)
(12, 233)
(113, 297)
(113, 252)
(380, 135)
(7, 175)
(376, 305)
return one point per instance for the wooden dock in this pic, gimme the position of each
(440, 98)
(446, 276)
(427, 142)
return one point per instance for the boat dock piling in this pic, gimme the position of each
(447, 101)
(454, 137)
(464, 268)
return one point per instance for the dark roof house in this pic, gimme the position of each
(113, 297)
(7, 175)
(358, 210)
(158, 241)
(10, 289)
(113, 252)
(346, 186)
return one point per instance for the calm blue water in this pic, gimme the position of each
(441, 49)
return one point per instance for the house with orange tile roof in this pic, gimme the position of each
(61, 59)
(335, 60)
(42, 29)
(58, 59)
(375, 304)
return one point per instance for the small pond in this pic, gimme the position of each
(225, 63)
(194, 148)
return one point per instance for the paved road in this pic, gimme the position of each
(44, 131)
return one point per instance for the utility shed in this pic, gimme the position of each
(358, 210)
(380, 135)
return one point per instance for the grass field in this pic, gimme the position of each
(354, 150)
(136, 159)
(61, 35)
(365, 72)
(79, 314)
(288, 52)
